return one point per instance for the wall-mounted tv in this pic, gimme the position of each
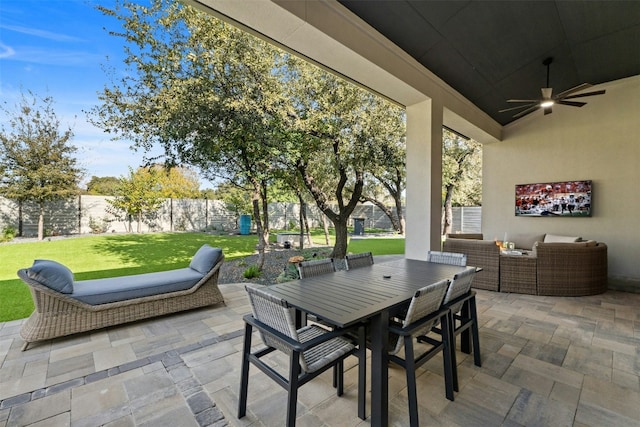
(551, 199)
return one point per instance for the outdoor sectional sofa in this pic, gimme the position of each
(542, 264)
(64, 306)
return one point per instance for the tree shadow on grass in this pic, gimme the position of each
(165, 251)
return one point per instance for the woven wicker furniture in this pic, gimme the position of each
(569, 269)
(311, 351)
(451, 258)
(425, 311)
(57, 314)
(316, 267)
(363, 259)
(561, 268)
(484, 254)
(518, 274)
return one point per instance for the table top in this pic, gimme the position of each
(345, 298)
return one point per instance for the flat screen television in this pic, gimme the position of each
(554, 199)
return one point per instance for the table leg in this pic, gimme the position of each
(380, 370)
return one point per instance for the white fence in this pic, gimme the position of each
(87, 214)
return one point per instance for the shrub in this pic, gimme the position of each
(252, 272)
(8, 233)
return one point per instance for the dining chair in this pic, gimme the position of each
(316, 267)
(363, 259)
(311, 349)
(425, 310)
(452, 258)
(462, 316)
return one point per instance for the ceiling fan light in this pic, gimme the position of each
(547, 104)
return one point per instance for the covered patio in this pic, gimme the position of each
(546, 361)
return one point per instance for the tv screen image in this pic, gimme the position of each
(552, 199)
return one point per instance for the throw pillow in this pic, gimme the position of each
(552, 238)
(204, 260)
(524, 240)
(52, 274)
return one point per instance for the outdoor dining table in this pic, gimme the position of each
(366, 294)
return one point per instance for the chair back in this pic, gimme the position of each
(273, 312)
(425, 301)
(452, 258)
(460, 285)
(363, 259)
(316, 267)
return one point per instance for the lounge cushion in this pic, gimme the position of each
(206, 257)
(52, 274)
(553, 238)
(103, 291)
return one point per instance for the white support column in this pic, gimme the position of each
(424, 178)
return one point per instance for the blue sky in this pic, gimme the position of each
(58, 48)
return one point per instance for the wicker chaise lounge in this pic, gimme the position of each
(64, 307)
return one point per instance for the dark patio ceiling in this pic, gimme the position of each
(491, 51)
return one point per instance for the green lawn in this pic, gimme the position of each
(95, 257)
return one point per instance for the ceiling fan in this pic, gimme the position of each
(548, 100)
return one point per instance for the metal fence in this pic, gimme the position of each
(92, 214)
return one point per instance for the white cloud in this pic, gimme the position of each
(40, 33)
(6, 51)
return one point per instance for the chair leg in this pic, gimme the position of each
(292, 400)
(477, 360)
(451, 325)
(465, 339)
(412, 391)
(448, 366)
(244, 374)
(339, 372)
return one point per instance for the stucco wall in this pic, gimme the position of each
(601, 142)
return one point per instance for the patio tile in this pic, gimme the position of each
(531, 409)
(542, 360)
(41, 409)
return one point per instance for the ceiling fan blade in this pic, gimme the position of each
(572, 103)
(547, 110)
(523, 100)
(517, 108)
(580, 95)
(573, 90)
(525, 112)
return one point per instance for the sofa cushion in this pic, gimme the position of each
(553, 238)
(51, 274)
(525, 240)
(206, 257)
(103, 291)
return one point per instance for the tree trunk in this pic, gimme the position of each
(139, 226)
(340, 248)
(301, 219)
(395, 222)
(262, 243)
(325, 225)
(400, 215)
(41, 221)
(447, 220)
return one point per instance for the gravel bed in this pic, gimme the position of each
(276, 260)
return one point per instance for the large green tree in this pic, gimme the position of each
(37, 160)
(461, 174)
(207, 93)
(389, 172)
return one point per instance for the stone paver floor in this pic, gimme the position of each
(546, 361)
